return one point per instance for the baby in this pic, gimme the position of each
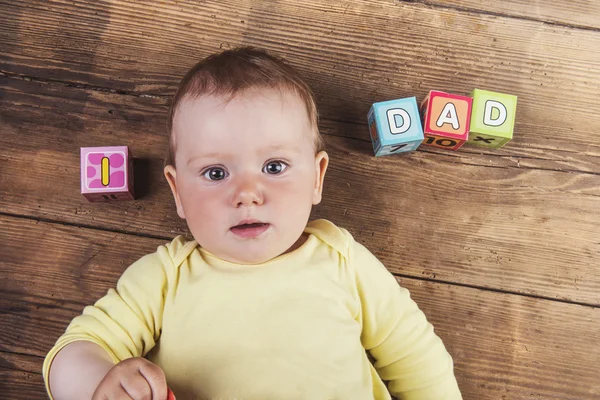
(262, 304)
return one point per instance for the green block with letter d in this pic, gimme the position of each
(493, 118)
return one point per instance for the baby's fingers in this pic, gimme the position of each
(155, 378)
(138, 388)
(117, 392)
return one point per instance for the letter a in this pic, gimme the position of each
(490, 105)
(394, 128)
(448, 115)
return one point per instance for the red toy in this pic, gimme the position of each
(170, 395)
(446, 119)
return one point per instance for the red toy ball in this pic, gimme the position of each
(170, 395)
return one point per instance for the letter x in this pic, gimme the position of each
(480, 139)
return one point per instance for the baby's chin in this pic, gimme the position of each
(266, 247)
(248, 257)
(249, 252)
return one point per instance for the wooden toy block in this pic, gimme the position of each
(493, 118)
(395, 126)
(446, 119)
(107, 173)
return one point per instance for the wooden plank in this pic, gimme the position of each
(576, 13)
(21, 377)
(20, 362)
(350, 52)
(26, 103)
(504, 346)
(517, 229)
(17, 385)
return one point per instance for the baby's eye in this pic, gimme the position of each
(215, 174)
(275, 167)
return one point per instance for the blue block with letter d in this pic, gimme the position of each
(395, 126)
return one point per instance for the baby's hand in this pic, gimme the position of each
(134, 378)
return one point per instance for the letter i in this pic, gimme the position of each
(105, 171)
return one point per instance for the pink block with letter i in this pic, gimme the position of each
(107, 173)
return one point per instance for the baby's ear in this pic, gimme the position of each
(321, 163)
(171, 175)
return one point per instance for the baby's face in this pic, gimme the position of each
(247, 175)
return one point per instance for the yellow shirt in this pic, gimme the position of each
(295, 327)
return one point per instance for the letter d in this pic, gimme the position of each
(490, 105)
(394, 128)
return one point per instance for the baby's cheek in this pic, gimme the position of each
(301, 185)
(296, 197)
(207, 208)
(205, 224)
(200, 206)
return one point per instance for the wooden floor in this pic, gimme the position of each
(501, 249)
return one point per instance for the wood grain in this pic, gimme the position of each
(86, 106)
(21, 377)
(352, 53)
(523, 230)
(485, 240)
(504, 346)
(576, 13)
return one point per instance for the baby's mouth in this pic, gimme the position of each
(248, 226)
(250, 229)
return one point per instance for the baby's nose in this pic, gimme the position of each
(248, 193)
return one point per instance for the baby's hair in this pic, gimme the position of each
(233, 71)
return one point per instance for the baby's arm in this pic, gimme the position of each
(408, 354)
(78, 369)
(123, 325)
(83, 370)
